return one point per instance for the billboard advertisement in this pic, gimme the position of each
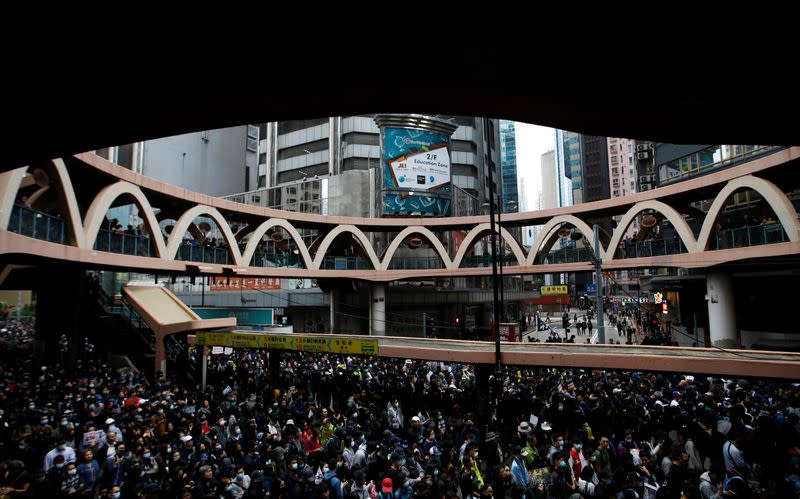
(251, 316)
(416, 172)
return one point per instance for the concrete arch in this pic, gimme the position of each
(71, 212)
(328, 240)
(425, 233)
(176, 237)
(552, 225)
(776, 199)
(262, 229)
(670, 213)
(102, 202)
(477, 232)
(10, 182)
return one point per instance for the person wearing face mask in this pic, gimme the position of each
(241, 479)
(60, 450)
(232, 489)
(54, 476)
(558, 446)
(151, 470)
(335, 485)
(563, 483)
(70, 482)
(577, 458)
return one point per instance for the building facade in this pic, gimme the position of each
(508, 161)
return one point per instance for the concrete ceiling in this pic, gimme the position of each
(668, 77)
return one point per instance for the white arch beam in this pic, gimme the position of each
(777, 200)
(102, 202)
(425, 233)
(262, 229)
(176, 236)
(670, 213)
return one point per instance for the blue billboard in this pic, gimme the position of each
(416, 172)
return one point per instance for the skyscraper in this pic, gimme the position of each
(551, 184)
(508, 162)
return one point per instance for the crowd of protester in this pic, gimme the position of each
(365, 427)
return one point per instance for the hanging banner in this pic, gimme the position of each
(243, 283)
(294, 342)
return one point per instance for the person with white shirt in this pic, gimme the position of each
(62, 449)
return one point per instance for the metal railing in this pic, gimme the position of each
(568, 255)
(680, 168)
(486, 261)
(753, 235)
(345, 263)
(651, 247)
(128, 244)
(418, 262)
(263, 259)
(28, 222)
(137, 322)
(206, 254)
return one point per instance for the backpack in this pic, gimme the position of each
(734, 480)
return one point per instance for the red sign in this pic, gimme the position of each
(509, 331)
(244, 283)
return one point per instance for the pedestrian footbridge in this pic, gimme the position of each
(58, 211)
(739, 363)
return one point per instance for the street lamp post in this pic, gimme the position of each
(495, 296)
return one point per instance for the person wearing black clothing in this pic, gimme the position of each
(206, 486)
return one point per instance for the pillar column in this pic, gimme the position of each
(721, 311)
(160, 357)
(377, 310)
(333, 297)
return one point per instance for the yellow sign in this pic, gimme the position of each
(554, 290)
(318, 344)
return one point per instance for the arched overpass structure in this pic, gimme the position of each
(86, 186)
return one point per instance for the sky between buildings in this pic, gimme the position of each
(532, 142)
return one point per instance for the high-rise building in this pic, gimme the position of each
(214, 162)
(570, 146)
(550, 181)
(594, 166)
(350, 145)
(508, 162)
(564, 184)
(622, 171)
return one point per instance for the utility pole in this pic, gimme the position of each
(495, 297)
(598, 284)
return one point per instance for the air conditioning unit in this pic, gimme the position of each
(642, 147)
(645, 179)
(643, 154)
